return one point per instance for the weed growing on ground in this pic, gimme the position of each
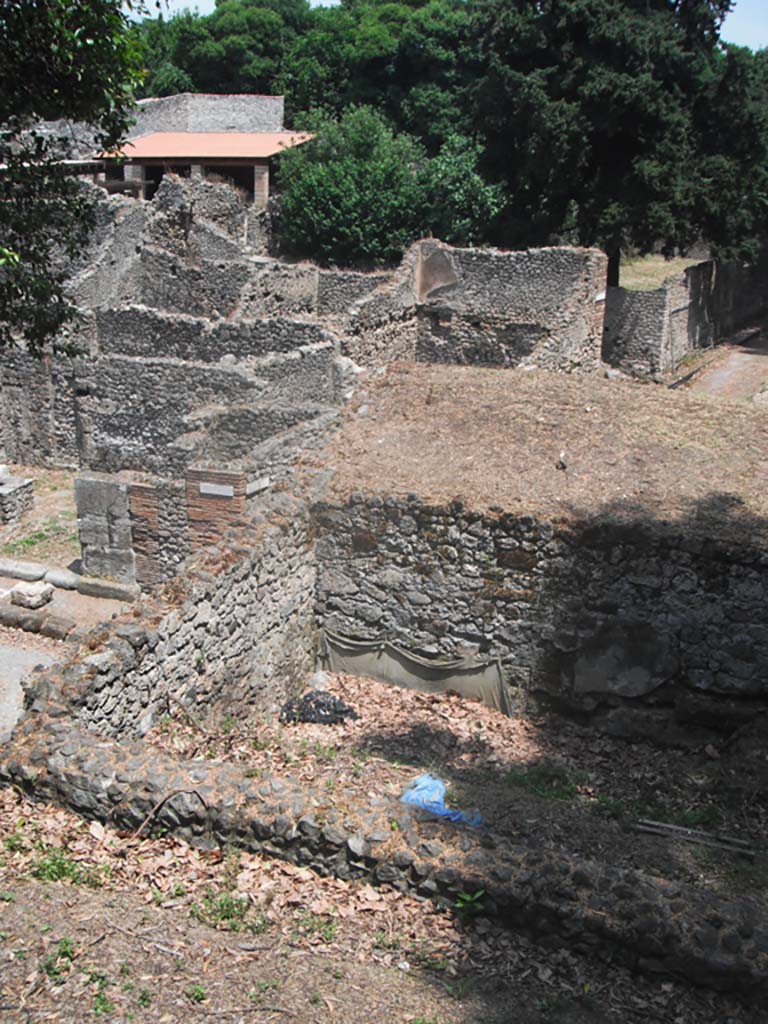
(196, 993)
(549, 781)
(54, 865)
(318, 924)
(262, 988)
(470, 904)
(57, 964)
(227, 912)
(144, 998)
(709, 817)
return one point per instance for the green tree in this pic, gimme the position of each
(360, 193)
(58, 59)
(354, 195)
(597, 115)
(462, 205)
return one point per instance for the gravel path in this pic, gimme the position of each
(737, 371)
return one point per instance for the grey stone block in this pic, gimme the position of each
(110, 590)
(22, 570)
(64, 579)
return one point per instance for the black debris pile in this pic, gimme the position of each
(318, 707)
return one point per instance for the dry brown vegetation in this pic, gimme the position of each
(101, 925)
(499, 439)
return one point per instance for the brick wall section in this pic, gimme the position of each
(159, 528)
(142, 499)
(212, 515)
(235, 633)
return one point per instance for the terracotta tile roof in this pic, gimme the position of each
(210, 145)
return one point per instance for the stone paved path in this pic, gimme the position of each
(15, 661)
(738, 370)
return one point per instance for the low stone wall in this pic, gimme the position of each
(648, 924)
(237, 633)
(648, 333)
(608, 618)
(17, 496)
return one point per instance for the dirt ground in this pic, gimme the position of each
(48, 533)
(540, 781)
(101, 926)
(736, 370)
(556, 446)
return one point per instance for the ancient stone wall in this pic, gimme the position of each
(648, 333)
(240, 638)
(646, 923)
(539, 308)
(600, 617)
(205, 112)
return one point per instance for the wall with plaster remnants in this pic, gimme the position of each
(620, 619)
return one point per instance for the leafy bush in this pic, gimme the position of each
(359, 194)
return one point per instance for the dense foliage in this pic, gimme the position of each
(621, 123)
(359, 193)
(58, 59)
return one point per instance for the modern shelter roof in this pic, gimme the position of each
(210, 145)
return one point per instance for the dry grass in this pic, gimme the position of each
(644, 273)
(494, 439)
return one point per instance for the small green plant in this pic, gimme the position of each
(144, 998)
(318, 924)
(324, 752)
(58, 963)
(178, 890)
(102, 1004)
(469, 904)
(196, 993)
(7, 897)
(229, 913)
(546, 780)
(314, 999)
(55, 865)
(14, 843)
(228, 724)
(262, 988)
(385, 941)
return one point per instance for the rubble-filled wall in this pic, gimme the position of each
(240, 640)
(542, 307)
(206, 112)
(647, 333)
(602, 617)
(167, 348)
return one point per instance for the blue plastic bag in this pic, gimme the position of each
(428, 793)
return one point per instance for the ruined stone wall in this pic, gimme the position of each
(38, 416)
(648, 333)
(600, 617)
(240, 640)
(539, 308)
